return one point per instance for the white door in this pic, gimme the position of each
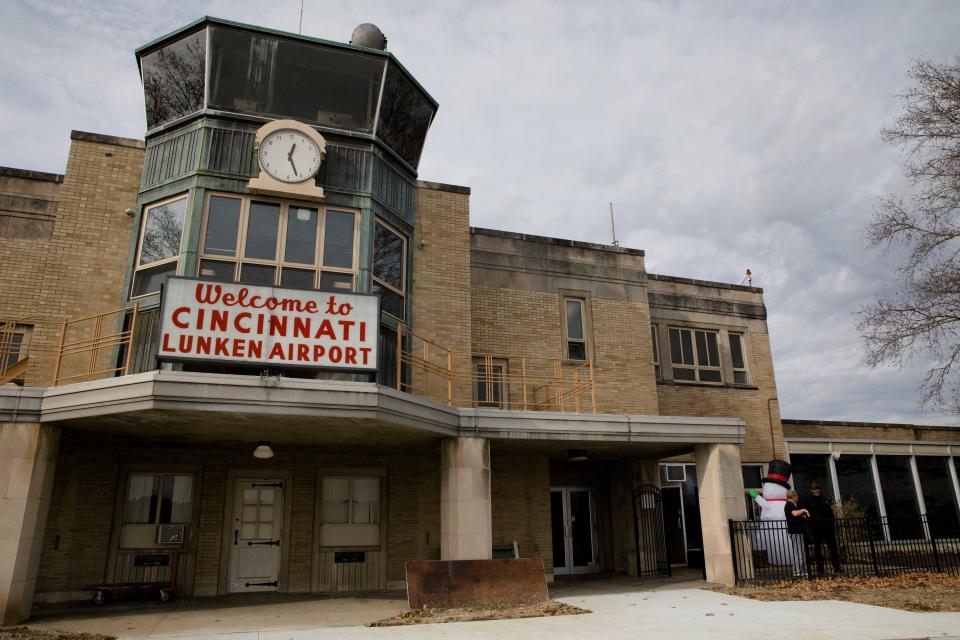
(574, 530)
(256, 536)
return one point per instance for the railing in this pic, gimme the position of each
(95, 346)
(13, 360)
(766, 551)
(499, 381)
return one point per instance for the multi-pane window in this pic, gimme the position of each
(752, 481)
(489, 387)
(350, 501)
(576, 341)
(389, 269)
(694, 355)
(737, 358)
(159, 499)
(656, 353)
(11, 345)
(159, 247)
(274, 242)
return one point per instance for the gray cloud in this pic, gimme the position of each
(729, 135)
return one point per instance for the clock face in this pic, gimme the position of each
(289, 155)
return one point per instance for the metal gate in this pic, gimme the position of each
(650, 537)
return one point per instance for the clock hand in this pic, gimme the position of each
(295, 172)
(290, 155)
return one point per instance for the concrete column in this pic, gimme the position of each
(721, 499)
(28, 453)
(466, 530)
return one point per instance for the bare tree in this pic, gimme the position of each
(922, 316)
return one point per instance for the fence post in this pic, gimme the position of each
(937, 561)
(734, 548)
(873, 547)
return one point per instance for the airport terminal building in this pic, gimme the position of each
(254, 352)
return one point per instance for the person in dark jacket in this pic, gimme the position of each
(822, 527)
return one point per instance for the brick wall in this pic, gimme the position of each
(866, 431)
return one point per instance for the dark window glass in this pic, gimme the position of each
(710, 375)
(656, 353)
(684, 374)
(855, 477)
(938, 494)
(257, 274)
(264, 220)
(736, 351)
(217, 271)
(301, 245)
(387, 348)
(338, 240)
(899, 497)
(10, 345)
(297, 278)
(691, 518)
(405, 115)
(336, 281)
(558, 529)
(807, 469)
(162, 230)
(576, 350)
(574, 318)
(752, 476)
(173, 79)
(390, 301)
(223, 221)
(740, 377)
(255, 73)
(489, 386)
(150, 280)
(388, 256)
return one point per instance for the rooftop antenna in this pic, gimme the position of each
(300, 27)
(613, 227)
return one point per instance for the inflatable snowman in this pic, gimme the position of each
(772, 500)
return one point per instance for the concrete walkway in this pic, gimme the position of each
(670, 609)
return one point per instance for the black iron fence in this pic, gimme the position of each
(765, 551)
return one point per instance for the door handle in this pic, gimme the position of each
(236, 533)
(275, 543)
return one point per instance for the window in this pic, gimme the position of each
(574, 329)
(389, 269)
(899, 497)
(275, 242)
(11, 345)
(159, 499)
(159, 248)
(350, 501)
(656, 353)
(938, 494)
(752, 481)
(696, 365)
(736, 357)
(489, 387)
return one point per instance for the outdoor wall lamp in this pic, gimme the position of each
(577, 455)
(263, 450)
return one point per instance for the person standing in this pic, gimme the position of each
(823, 529)
(797, 518)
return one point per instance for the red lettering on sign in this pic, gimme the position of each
(350, 355)
(166, 344)
(203, 345)
(220, 347)
(276, 352)
(326, 329)
(336, 354)
(303, 352)
(176, 317)
(236, 322)
(278, 326)
(218, 320)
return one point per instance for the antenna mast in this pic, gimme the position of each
(613, 227)
(300, 28)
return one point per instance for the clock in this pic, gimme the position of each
(289, 155)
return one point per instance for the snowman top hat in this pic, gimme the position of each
(778, 472)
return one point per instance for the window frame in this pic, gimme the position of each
(495, 381)
(351, 478)
(583, 299)
(144, 216)
(155, 516)
(697, 366)
(745, 369)
(655, 341)
(403, 266)
(279, 263)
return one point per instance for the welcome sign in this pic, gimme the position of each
(247, 324)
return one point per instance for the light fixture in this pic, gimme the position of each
(577, 455)
(263, 450)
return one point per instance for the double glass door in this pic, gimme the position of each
(573, 524)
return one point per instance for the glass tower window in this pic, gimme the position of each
(941, 503)
(808, 469)
(405, 116)
(899, 497)
(173, 79)
(855, 477)
(264, 74)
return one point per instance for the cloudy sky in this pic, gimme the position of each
(728, 135)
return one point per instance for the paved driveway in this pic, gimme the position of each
(621, 608)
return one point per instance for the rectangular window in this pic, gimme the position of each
(738, 360)
(159, 499)
(899, 497)
(159, 247)
(350, 501)
(275, 242)
(389, 269)
(11, 345)
(489, 382)
(941, 502)
(575, 334)
(700, 364)
(656, 353)
(752, 481)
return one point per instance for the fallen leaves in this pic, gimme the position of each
(915, 591)
(468, 614)
(28, 633)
